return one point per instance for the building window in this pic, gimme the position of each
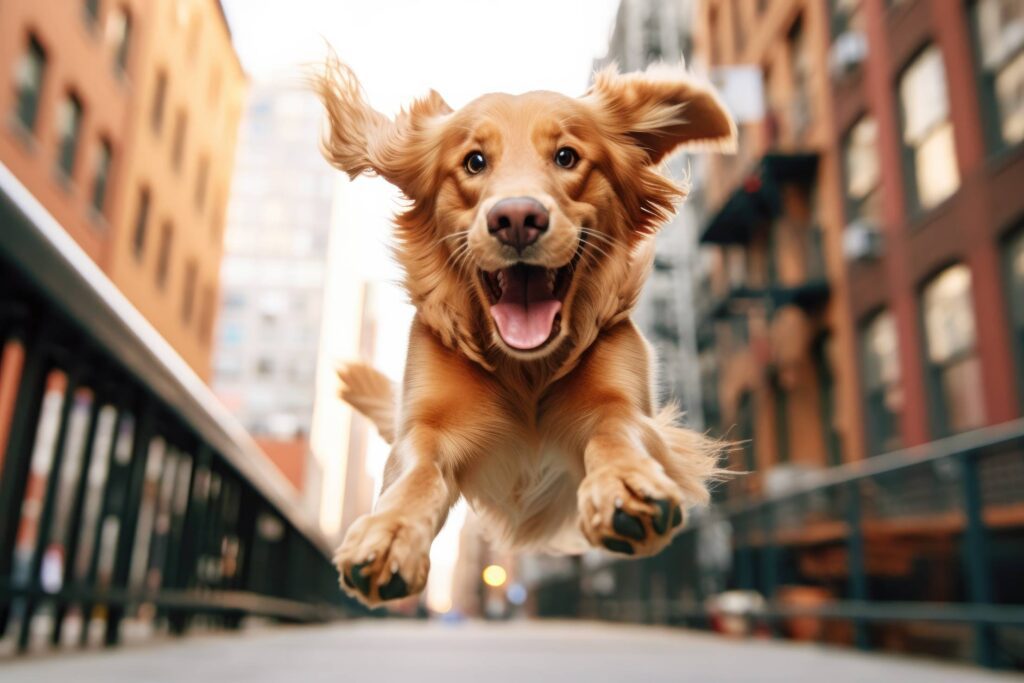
(883, 391)
(120, 32)
(202, 178)
(999, 28)
(163, 260)
(824, 360)
(930, 154)
(860, 162)
(29, 79)
(954, 369)
(178, 149)
(69, 125)
(188, 292)
(102, 175)
(141, 224)
(92, 11)
(206, 315)
(1015, 285)
(156, 113)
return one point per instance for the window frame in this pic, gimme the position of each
(912, 191)
(1014, 304)
(68, 145)
(101, 176)
(881, 424)
(27, 107)
(939, 410)
(992, 122)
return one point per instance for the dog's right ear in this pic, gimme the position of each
(362, 140)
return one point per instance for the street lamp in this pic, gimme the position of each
(494, 575)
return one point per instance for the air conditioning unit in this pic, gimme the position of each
(848, 50)
(861, 241)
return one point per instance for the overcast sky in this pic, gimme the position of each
(400, 49)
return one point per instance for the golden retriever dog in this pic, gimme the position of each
(528, 390)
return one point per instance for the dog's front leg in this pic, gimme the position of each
(386, 554)
(627, 501)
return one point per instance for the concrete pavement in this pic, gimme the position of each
(377, 651)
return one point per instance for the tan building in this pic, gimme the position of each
(120, 117)
(778, 347)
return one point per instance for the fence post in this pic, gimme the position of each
(977, 567)
(858, 580)
(129, 514)
(20, 442)
(34, 584)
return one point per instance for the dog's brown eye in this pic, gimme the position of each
(474, 163)
(566, 157)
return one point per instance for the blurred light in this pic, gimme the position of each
(495, 575)
(441, 605)
(516, 594)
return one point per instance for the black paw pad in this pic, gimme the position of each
(618, 546)
(677, 517)
(663, 516)
(395, 588)
(358, 581)
(628, 525)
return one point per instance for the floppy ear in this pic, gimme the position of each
(662, 109)
(362, 140)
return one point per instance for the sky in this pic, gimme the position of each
(400, 49)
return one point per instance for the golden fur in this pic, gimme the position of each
(561, 447)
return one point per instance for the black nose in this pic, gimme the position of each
(518, 221)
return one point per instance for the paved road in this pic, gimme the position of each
(382, 652)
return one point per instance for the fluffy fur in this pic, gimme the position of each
(560, 447)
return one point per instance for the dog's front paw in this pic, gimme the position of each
(383, 557)
(631, 510)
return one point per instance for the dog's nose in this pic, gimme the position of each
(517, 222)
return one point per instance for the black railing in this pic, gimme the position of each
(967, 490)
(127, 493)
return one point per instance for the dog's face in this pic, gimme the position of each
(523, 205)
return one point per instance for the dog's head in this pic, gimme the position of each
(525, 209)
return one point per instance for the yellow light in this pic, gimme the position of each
(495, 575)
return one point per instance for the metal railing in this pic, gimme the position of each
(967, 489)
(127, 492)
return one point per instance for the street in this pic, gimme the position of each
(496, 653)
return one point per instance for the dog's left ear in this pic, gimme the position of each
(662, 109)
(361, 140)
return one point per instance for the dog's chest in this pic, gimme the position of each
(527, 481)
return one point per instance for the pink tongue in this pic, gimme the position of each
(525, 326)
(527, 309)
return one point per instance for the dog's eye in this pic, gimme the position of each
(566, 157)
(474, 163)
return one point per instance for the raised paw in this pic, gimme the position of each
(383, 558)
(630, 511)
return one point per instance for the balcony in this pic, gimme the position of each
(757, 202)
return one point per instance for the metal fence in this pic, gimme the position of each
(128, 496)
(967, 491)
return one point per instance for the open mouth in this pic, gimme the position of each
(526, 302)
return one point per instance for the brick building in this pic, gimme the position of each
(120, 116)
(867, 290)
